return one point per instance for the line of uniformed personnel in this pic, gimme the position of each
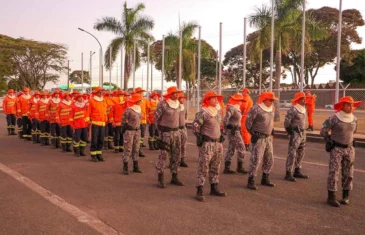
(66, 120)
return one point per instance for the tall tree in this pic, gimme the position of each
(75, 76)
(134, 27)
(353, 70)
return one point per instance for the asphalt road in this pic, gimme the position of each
(134, 205)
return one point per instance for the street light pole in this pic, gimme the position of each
(91, 69)
(244, 51)
(68, 74)
(337, 93)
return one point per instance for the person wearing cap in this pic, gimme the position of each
(52, 108)
(80, 121)
(65, 120)
(118, 111)
(294, 125)
(109, 130)
(42, 116)
(207, 129)
(245, 108)
(167, 123)
(144, 105)
(131, 124)
(260, 124)
(310, 105)
(9, 107)
(232, 125)
(338, 132)
(23, 110)
(151, 108)
(182, 129)
(32, 116)
(19, 116)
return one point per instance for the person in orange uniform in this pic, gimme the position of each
(9, 107)
(65, 119)
(118, 111)
(144, 105)
(54, 123)
(81, 119)
(32, 116)
(23, 111)
(108, 138)
(19, 117)
(43, 118)
(310, 103)
(245, 108)
(151, 108)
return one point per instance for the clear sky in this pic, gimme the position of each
(57, 21)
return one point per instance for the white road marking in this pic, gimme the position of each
(310, 163)
(80, 215)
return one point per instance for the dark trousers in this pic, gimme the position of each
(55, 130)
(35, 127)
(110, 131)
(66, 135)
(10, 121)
(143, 130)
(19, 124)
(97, 139)
(152, 130)
(80, 137)
(27, 127)
(118, 138)
(44, 128)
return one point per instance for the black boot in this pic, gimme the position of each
(345, 197)
(38, 139)
(77, 151)
(265, 180)
(121, 149)
(227, 168)
(289, 177)
(43, 141)
(99, 157)
(34, 138)
(150, 144)
(175, 180)
(214, 191)
(64, 147)
(46, 141)
(298, 174)
(199, 194)
(20, 134)
(58, 143)
(93, 158)
(331, 200)
(240, 168)
(53, 143)
(116, 150)
(136, 167)
(140, 154)
(68, 148)
(251, 183)
(125, 168)
(183, 163)
(310, 128)
(110, 145)
(82, 151)
(161, 181)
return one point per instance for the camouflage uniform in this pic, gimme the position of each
(260, 125)
(235, 141)
(167, 120)
(344, 156)
(294, 124)
(131, 137)
(211, 152)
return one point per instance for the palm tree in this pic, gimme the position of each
(287, 31)
(133, 27)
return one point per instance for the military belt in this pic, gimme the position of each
(130, 128)
(167, 129)
(336, 144)
(208, 139)
(181, 127)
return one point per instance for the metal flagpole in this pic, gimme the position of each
(220, 60)
(148, 68)
(244, 51)
(82, 72)
(101, 79)
(338, 54)
(199, 58)
(134, 65)
(272, 44)
(163, 63)
(121, 69)
(260, 81)
(180, 61)
(110, 68)
(302, 57)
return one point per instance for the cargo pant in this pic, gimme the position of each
(131, 144)
(97, 140)
(10, 120)
(143, 132)
(184, 138)
(27, 127)
(80, 138)
(118, 138)
(172, 138)
(344, 158)
(20, 127)
(66, 135)
(235, 142)
(109, 133)
(296, 151)
(153, 134)
(210, 158)
(44, 129)
(55, 132)
(35, 129)
(262, 150)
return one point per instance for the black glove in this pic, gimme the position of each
(254, 139)
(162, 145)
(329, 146)
(199, 140)
(221, 139)
(229, 126)
(289, 130)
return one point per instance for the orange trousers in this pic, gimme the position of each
(245, 134)
(310, 117)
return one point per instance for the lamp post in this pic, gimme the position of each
(91, 69)
(100, 58)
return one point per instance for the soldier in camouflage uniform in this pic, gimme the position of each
(182, 129)
(167, 123)
(342, 125)
(232, 125)
(206, 127)
(294, 125)
(131, 121)
(260, 123)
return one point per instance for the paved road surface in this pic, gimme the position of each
(134, 205)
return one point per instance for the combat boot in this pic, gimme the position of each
(140, 154)
(298, 174)
(251, 183)
(345, 197)
(161, 181)
(82, 151)
(93, 158)
(240, 168)
(99, 157)
(175, 180)
(199, 194)
(227, 168)
(34, 139)
(68, 148)
(125, 168)
(331, 200)
(77, 151)
(265, 180)
(110, 145)
(136, 167)
(214, 191)
(116, 150)
(310, 128)
(151, 145)
(183, 163)
(289, 177)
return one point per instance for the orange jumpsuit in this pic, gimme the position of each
(245, 108)
(310, 104)
(80, 121)
(9, 106)
(43, 117)
(64, 118)
(118, 111)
